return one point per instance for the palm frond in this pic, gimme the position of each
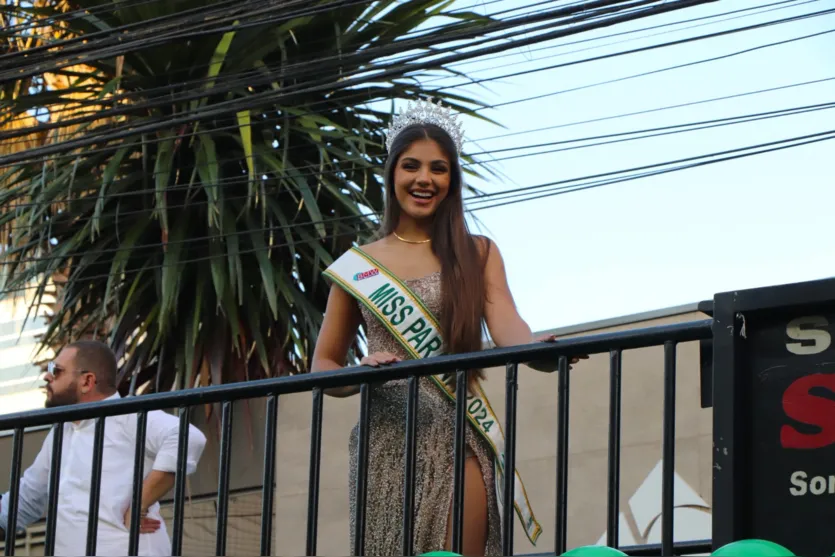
(197, 250)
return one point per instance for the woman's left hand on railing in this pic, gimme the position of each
(551, 365)
(379, 359)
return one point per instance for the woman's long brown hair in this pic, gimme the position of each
(463, 289)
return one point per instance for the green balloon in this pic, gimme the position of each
(752, 548)
(594, 551)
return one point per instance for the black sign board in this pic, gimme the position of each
(790, 361)
(774, 416)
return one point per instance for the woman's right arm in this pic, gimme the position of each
(339, 330)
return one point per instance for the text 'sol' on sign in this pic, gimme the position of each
(791, 381)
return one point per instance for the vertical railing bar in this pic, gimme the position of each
(511, 386)
(362, 470)
(180, 483)
(14, 491)
(95, 487)
(223, 477)
(613, 509)
(138, 478)
(669, 448)
(270, 433)
(458, 462)
(410, 465)
(561, 530)
(315, 469)
(54, 481)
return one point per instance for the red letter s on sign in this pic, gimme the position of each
(799, 404)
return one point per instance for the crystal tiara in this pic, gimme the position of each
(424, 112)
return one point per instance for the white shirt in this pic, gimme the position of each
(116, 482)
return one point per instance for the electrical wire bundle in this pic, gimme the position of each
(335, 75)
(163, 162)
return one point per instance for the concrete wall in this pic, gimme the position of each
(19, 377)
(536, 457)
(642, 411)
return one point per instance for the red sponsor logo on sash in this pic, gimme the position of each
(366, 274)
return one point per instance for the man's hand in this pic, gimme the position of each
(156, 485)
(146, 525)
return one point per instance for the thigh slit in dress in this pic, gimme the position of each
(434, 466)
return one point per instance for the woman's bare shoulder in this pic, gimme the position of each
(485, 245)
(375, 248)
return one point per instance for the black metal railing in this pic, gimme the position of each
(667, 336)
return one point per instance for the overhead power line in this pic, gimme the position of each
(162, 29)
(235, 105)
(253, 78)
(738, 154)
(245, 77)
(653, 72)
(70, 14)
(782, 5)
(775, 146)
(51, 149)
(222, 83)
(336, 172)
(659, 109)
(499, 199)
(509, 134)
(153, 37)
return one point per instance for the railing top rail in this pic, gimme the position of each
(588, 344)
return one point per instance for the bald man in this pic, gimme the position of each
(86, 371)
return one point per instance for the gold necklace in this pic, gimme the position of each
(426, 241)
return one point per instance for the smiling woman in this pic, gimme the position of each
(425, 287)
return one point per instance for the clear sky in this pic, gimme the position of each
(679, 237)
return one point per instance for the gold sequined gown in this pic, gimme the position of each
(434, 467)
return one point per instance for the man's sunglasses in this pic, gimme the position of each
(51, 370)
